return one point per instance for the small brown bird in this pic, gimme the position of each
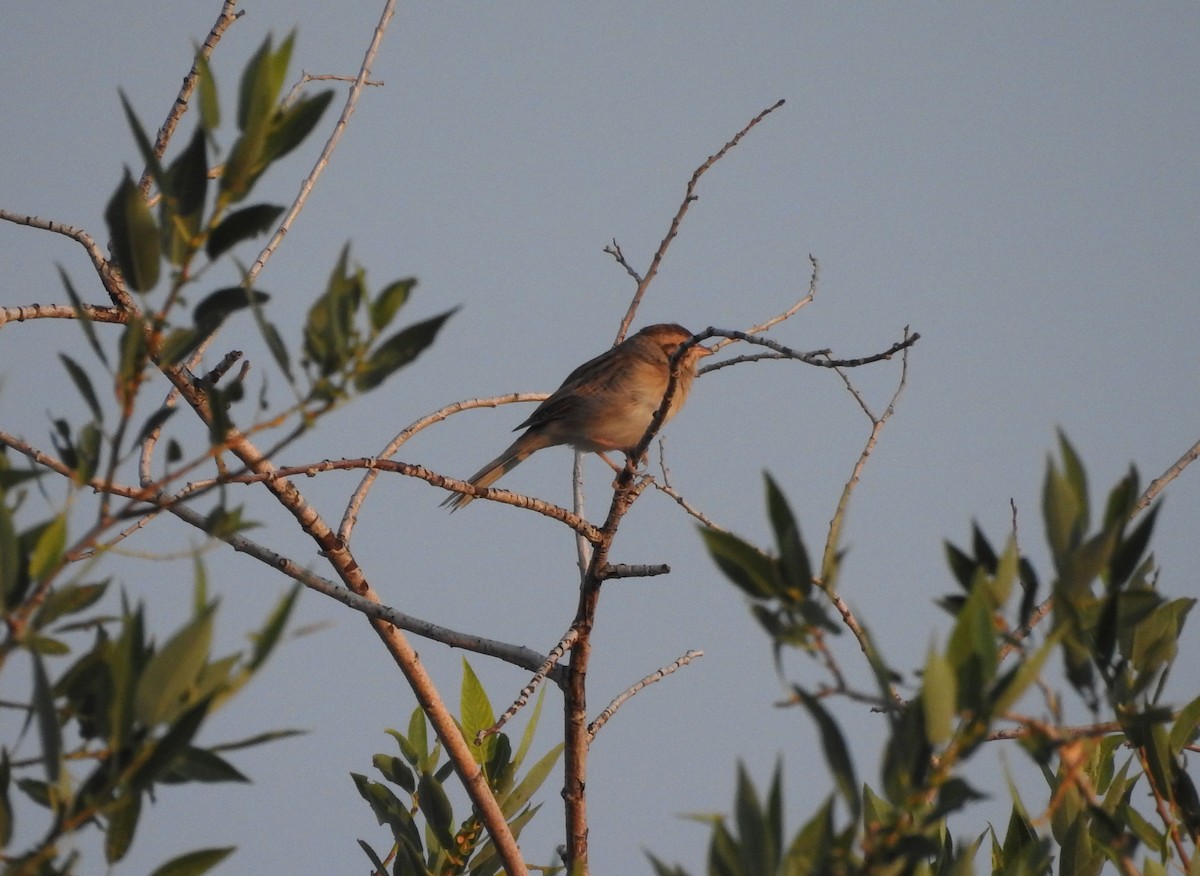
(604, 404)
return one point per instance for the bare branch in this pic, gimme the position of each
(108, 275)
(549, 667)
(350, 516)
(688, 197)
(1166, 477)
(62, 311)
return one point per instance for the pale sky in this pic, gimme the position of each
(1020, 184)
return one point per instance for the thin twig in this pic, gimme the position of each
(546, 669)
(611, 709)
(350, 516)
(1165, 478)
(339, 128)
(226, 17)
(688, 197)
(112, 281)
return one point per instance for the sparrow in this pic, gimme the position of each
(604, 404)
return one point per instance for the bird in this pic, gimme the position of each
(605, 404)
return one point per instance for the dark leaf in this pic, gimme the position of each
(206, 90)
(194, 863)
(145, 147)
(837, 753)
(271, 633)
(201, 765)
(752, 571)
(953, 795)
(49, 729)
(793, 558)
(133, 235)
(122, 824)
(399, 350)
(210, 312)
(292, 125)
(1128, 553)
(167, 750)
(85, 320)
(241, 225)
(435, 806)
(154, 422)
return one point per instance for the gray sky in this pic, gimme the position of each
(1020, 184)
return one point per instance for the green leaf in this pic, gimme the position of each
(793, 558)
(476, 714)
(133, 361)
(49, 729)
(972, 651)
(181, 211)
(123, 817)
(166, 752)
(1026, 673)
(133, 236)
(752, 571)
(256, 96)
(194, 863)
(531, 781)
(206, 90)
(84, 384)
(292, 125)
(48, 552)
(435, 806)
(241, 225)
(63, 601)
(389, 301)
(939, 697)
(837, 754)
(270, 635)
(399, 350)
(1128, 553)
(1184, 728)
(201, 765)
(164, 686)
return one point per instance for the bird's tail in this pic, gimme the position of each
(516, 453)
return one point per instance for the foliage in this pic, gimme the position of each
(117, 708)
(449, 847)
(1116, 636)
(116, 713)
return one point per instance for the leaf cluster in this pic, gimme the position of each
(448, 845)
(116, 713)
(1117, 638)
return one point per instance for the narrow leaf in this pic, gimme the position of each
(194, 863)
(837, 754)
(133, 235)
(162, 689)
(49, 729)
(84, 319)
(389, 301)
(84, 384)
(292, 125)
(241, 225)
(399, 350)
